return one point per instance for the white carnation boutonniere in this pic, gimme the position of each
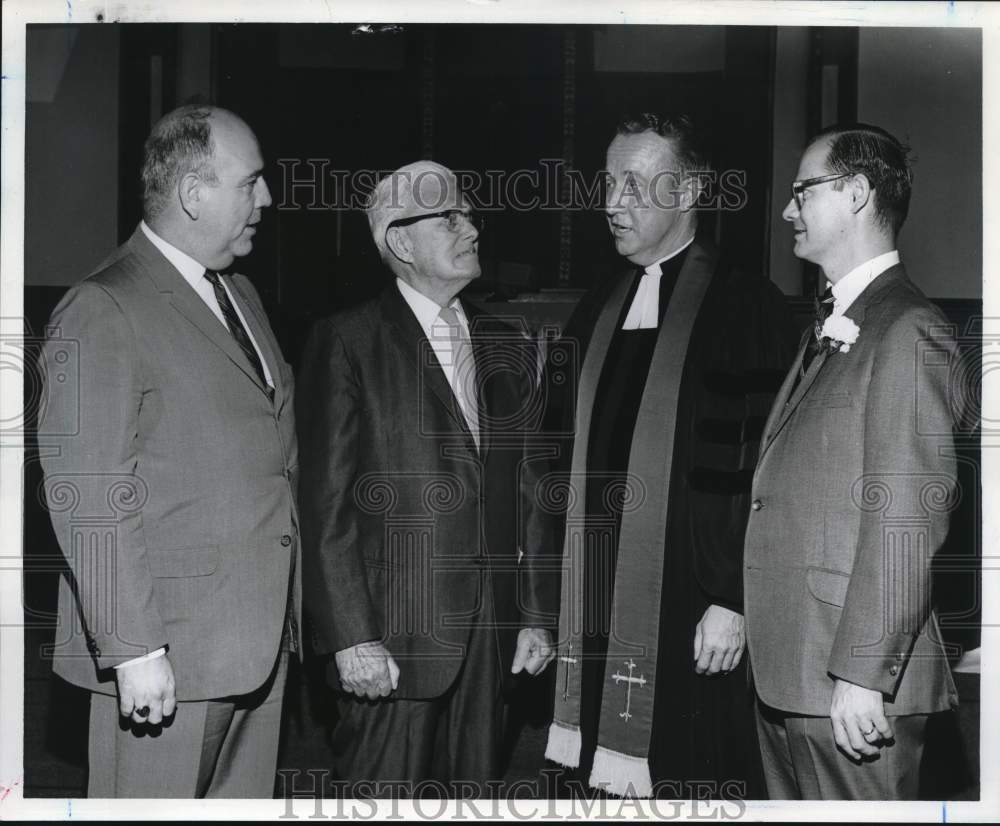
(838, 333)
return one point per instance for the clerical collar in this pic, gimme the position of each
(644, 314)
(857, 280)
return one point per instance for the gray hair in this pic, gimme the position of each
(418, 187)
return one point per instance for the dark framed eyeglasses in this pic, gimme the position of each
(452, 216)
(798, 187)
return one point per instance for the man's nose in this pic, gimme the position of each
(613, 203)
(613, 199)
(791, 210)
(263, 193)
(468, 229)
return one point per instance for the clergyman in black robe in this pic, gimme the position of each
(674, 365)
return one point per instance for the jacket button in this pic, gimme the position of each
(756, 505)
(900, 658)
(286, 540)
(894, 670)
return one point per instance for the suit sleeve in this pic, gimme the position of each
(746, 349)
(542, 518)
(905, 491)
(88, 437)
(329, 415)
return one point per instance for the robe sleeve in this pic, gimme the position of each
(743, 348)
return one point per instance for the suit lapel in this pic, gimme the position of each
(799, 393)
(788, 398)
(781, 399)
(409, 338)
(188, 303)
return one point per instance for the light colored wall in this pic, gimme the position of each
(925, 87)
(71, 148)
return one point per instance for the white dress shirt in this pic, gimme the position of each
(438, 333)
(644, 314)
(857, 280)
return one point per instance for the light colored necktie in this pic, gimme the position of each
(463, 370)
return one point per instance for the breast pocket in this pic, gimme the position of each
(831, 401)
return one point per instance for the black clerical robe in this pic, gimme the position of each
(740, 345)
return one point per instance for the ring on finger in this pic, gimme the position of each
(868, 733)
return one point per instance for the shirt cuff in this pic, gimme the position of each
(152, 655)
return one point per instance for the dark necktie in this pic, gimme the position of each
(823, 309)
(236, 326)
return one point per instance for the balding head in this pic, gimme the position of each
(203, 185)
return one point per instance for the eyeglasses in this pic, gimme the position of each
(798, 187)
(453, 216)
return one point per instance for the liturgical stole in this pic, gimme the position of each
(621, 762)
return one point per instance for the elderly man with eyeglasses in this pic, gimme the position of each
(414, 415)
(851, 497)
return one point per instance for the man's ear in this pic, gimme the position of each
(861, 192)
(690, 191)
(399, 244)
(189, 193)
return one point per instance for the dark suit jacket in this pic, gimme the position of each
(852, 495)
(170, 478)
(403, 520)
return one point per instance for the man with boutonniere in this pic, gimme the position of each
(851, 497)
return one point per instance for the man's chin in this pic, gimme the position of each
(801, 250)
(623, 248)
(241, 248)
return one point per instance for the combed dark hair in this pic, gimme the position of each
(679, 129)
(862, 149)
(180, 142)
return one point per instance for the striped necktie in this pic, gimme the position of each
(464, 366)
(236, 326)
(824, 307)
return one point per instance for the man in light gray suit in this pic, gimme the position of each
(170, 477)
(851, 497)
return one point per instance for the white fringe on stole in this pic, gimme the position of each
(564, 745)
(620, 774)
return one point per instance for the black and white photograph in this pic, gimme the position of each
(477, 410)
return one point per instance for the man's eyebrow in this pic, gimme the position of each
(252, 175)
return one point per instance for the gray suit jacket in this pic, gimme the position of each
(169, 476)
(852, 493)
